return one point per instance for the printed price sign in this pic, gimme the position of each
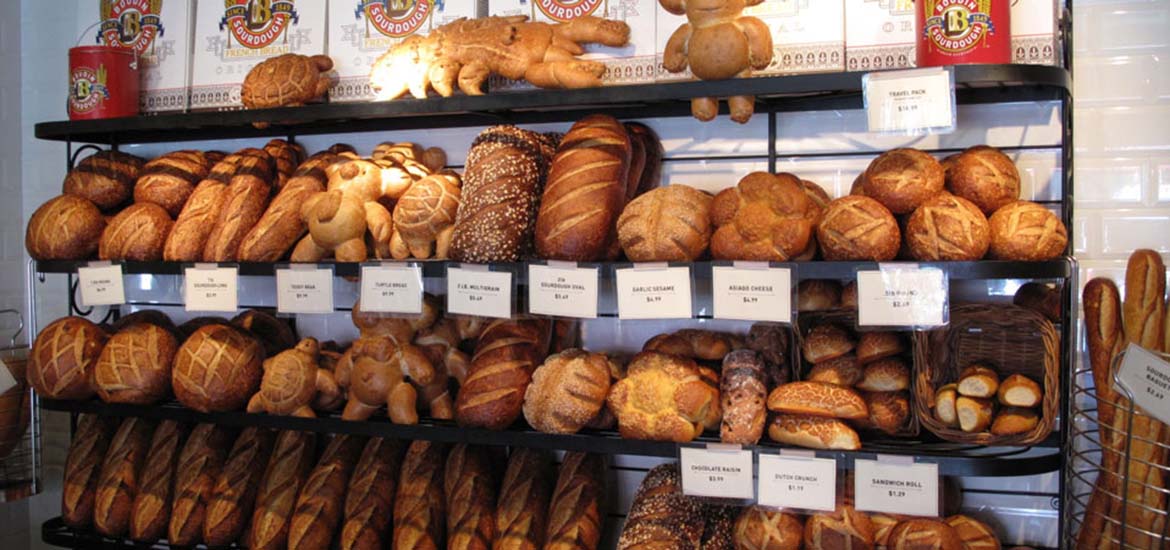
(475, 292)
(208, 287)
(896, 485)
(752, 292)
(902, 296)
(7, 381)
(654, 292)
(1147, 377)
(801, 482)
(304, 289)
(718, 471)
(101, 285)
(388, 288)
(919, 101)
(562, 289)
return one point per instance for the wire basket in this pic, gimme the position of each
(20, 460)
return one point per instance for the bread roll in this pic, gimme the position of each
(232, 497)
(985, 176)
(826, 341)
(975, 534)
(889, 411)
(842, 371)
(507, 353)
(890, 374)
(317, 513)
(576, 516)
(948, 228)
(765, 217)
(817, 399)
(64, 228)
(586, 191)
(661, 516)
(759, 528)
(814, 432)
(1027, 231)
(286, 471)
(924, 534)
(1018, 390)
(152, 504)
(903, 179)
(469, 486)
(199, 465)
(858, 228)
(944, 405)
(119, 478)
(62, 360)
(872, 346)
(523, 506)
(217, 369)
(281, 225)
(974, 413)
(83, 468)
(567, 391)
(664, 397)
(105, 178)
(843, 528)
(818, 295)
(137, 233)
(666, 224)
(743, 391)
(419, 515)
(772, 343)
(135, 365)
(1014, 420)
(978, 381)
(168, 181)
(369, 499)
(700, 345)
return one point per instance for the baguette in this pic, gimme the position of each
(152, 504)
(418, 507)
(576, 516)
(522, 511)
(287, 469)
(243, 205)
(118, 481)
(82, 469)
(234, 493)
(188, 236)
(469, 486)
(318, 509)
(199, 463)
(369, 500)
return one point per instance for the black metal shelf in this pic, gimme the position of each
(953, 459)
(975, 83)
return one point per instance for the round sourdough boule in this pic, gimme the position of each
(217, 369)
(924, 534)
(137, 233)
(1027, 231)
(670, 223)
(902, 179)
(567, 391)
(985, 176)
(766, 529)
(105, 178)
(65, 228)
(60, 365)
(858, 228)
(948, 228)
(135, 365)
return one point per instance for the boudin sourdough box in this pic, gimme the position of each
(232, 36)
(808, 36)
(1035, 33)
(159, 31)
(362, 30)
(630, 64)
(879, 34)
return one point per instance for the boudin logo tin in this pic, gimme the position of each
(87, 88)
(258, 23)
(103, 82)
(963, 31)
(395, 18)
(131, 24)
(568, 10)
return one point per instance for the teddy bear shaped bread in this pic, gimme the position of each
(375, 369)
(292, 381)
(718, 42)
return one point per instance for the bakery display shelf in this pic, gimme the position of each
(826, 91)
(953, 459)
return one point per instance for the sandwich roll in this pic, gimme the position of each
(1014, 420)
(944, 405)
(1018, 390)
(978, 381)
(975, 414)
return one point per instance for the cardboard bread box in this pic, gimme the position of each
(808, 36)
(1035, 32)
(879, 34)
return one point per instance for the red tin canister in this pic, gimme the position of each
(103, 82)
(951, 32)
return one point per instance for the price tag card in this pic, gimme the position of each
(717, 471)
(896, 485)
(653, 292)
(208, 287)
(902, 296)
(392, 288)
(1147, 377)
(304, 289)
(800, 482)
(472, 291)
(918, 101)
(562, 289)
(748, 291)
(7, 381)
(101, 285)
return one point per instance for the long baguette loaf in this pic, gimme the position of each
(199, 464)
(281, 226)
(243, 205)
(369, 500)
(152, 504)
(522, 510)
(82, 469)
(287, 469)
(318, 511)
(188, 236)
(118, 481)
(235, 489)
(469, 486)
(576, 516)
(419, 514)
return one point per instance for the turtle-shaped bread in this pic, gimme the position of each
(292, 379)
(286, 80)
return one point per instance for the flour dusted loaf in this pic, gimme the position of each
(169, 180)
(135, 365)
(138, 233)
(567, 391)
(217, 369)
(858, 228)
(66, 227)
(118, 481)
(152, 504)
(244, 203)
(1026, 231)
(105, 178)
(83, 465)
(665, 397)
(62, 360)
(281, 225)
(985, 176)
(765, 217)
(948, 228)
(666, 224)
(369, 498)
(903, 179)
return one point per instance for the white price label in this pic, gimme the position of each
(392, 288)
(562, 290)
(804, 483)
(902, 296)
(211, 288)
(300, 290)
(896, 487)
(483, 293)
(718, 471)
(910, 102)
(752, 293)
(654, 293)
(7, 381)
(101, 285)
(1147, 377)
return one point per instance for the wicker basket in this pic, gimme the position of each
(1012, 339)
(847, 319)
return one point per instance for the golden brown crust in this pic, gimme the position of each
(576, 515)
(889, 411)
(974, 534)
(318, 509)
(567, 391)
(759, 528)
(189, 235)
(63, 357)
(83, 469)
(661, 516)
(818, 295)
(522, 510)
(842, 371)
(135, 365)
(975, 413)
(664, 397)
(765, 217)
(858, 228)
(118, 481)
(903, 179)
(666, 224)
(234, 492)
(419, 515)
(948, 228)
(217, 369)
(243, 205)
(843, 528)
(508, 352)
(105, 178)
(64, 228)
(200, 462)
(168, 181)
(817, 399)
(985, 176)
(285, 474)
(1014, 420)
(152, 503)
(469, 487)
(924, 534)
(137, 233)
(1018, 390)
(977, 380)
(872, 346)
(1104, 337)
(369, 499)
(814, 432)
(826, 341)
(281, 225)
(697, 344)
(1026, 231)
(890, 374)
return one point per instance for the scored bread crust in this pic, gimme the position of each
(669, 223)
(817, 399)
(152, 504)
(523, 506)
(83, 469)
(369, 498)
(288, 468)
(234, 493)
(567, 391)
